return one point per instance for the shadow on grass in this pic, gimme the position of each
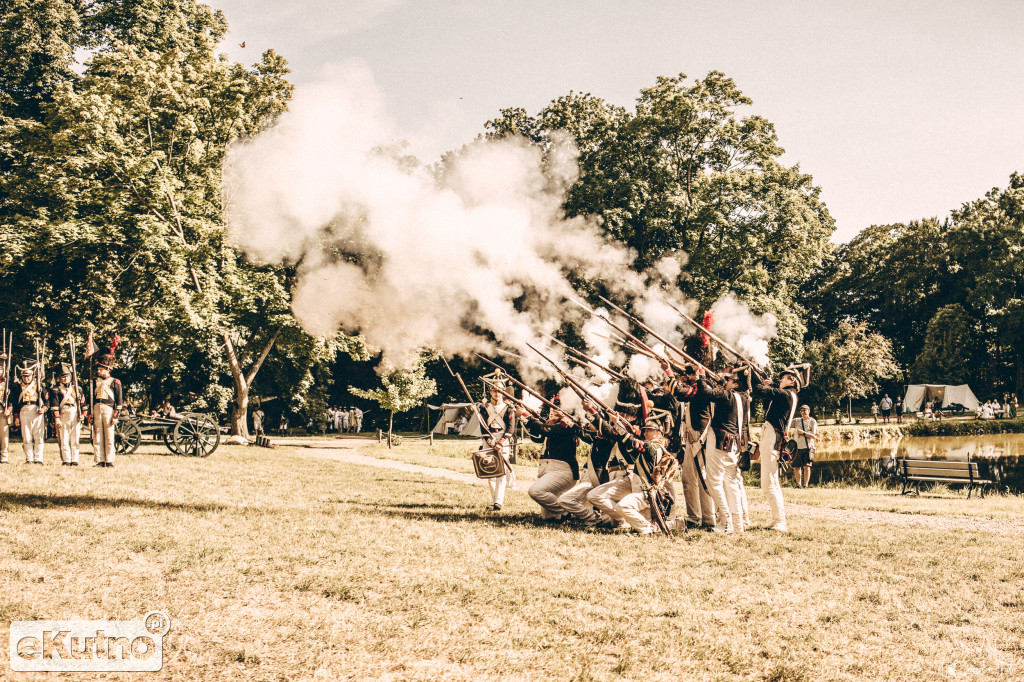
(449, 514)
(91, 502)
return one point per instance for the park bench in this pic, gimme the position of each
(940, 471)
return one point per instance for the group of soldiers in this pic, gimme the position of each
(26, 402)
(686, 419)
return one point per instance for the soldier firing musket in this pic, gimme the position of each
(642, 489)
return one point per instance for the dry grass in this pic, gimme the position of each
(277, 566)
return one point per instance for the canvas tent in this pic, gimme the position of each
(944, 395)
(450, 413)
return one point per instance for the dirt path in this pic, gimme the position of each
(346, 450)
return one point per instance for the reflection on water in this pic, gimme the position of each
(999, 458)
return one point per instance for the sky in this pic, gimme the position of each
(899, 110)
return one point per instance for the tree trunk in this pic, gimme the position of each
(849, 405)
(1020, 374)
(243, 381)
(391, 420)
(239, 423)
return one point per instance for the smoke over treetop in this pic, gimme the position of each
(478, 250)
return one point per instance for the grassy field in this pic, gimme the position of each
(280, 565)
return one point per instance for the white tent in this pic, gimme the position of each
(944, 395)
(450, 413)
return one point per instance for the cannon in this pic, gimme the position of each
(195, 434)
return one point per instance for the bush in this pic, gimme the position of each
(960, 427)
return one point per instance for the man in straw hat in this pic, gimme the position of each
(67, 405)
(108, 400)
(29, 398)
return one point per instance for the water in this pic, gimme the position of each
(1000, 457)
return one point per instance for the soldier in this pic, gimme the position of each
(500, 423)
(558, 469)
(5, 411)
(359, 420)
(624, 498)
(695, 424)
(67, 404)
(723, 454)
(29, 397)
(108, 398)
(774, 434)
(595, 473)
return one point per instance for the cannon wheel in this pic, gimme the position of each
(127, 436)
(197, 435)
(169, 442)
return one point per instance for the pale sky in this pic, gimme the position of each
(900, 110)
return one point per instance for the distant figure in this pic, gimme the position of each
(899, 409)
(257, 421)
(283, 426)
(344, 420)
(352, 420)
(1013, 405)
(886, 407)
(167, 410)
(359, 420)
(874, 411)
(806, 435)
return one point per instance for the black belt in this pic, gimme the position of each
(105, 402)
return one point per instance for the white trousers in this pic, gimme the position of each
(770, 482)
(33, 432)
(5, 435)
(554, 478)
(575, 501)
(725, 491)
(700, 508)
(103, 434)
(69, 432)
(359, 424)
(617, 499)
(501, 483)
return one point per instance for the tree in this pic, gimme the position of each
(849, 363)
(114, 208)
(947, 355)
(401, 390)
(685, 173)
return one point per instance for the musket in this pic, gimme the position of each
(520, 384)
(718, 339)
(74, 377)
(8, 351)
(583, 358)
(675, 349)
(520, 357)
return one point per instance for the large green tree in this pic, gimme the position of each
(851, 362)
(686, 172)
(114, 199)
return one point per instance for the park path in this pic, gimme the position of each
(346, 450)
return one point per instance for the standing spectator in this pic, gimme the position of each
(899, 409)
(352, 420)
(344, 419)
(886, 407)
(806, 435)
(359, 420)
(284, 425)
(336, 423)
(332, 416)
(257, 421)
(1013, 405)
(874, 411)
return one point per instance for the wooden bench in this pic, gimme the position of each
(941, 471)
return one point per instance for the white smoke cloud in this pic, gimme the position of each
(747, 332)
(451, 257)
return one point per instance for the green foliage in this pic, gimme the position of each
(850, 362)
(961, 427)
(946, 356)
(401, 389)
(686, 173)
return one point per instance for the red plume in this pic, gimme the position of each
(113, 344)
(709, 319)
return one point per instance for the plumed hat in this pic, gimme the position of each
(106, 360)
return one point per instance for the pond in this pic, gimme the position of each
(1000, 457)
